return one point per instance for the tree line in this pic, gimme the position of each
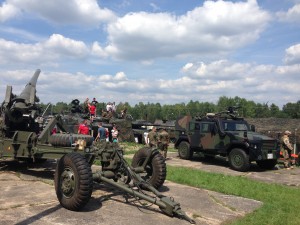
(153, 111)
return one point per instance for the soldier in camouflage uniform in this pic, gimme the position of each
(163, 142)
(286, 149)
(152, 137)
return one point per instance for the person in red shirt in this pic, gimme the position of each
(92, 110)
(84, 128)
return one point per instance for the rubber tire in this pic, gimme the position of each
(156, 168)
(184, 150)
(75, 165)
(239, 160)
(267, 164)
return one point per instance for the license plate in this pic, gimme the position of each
(270, 156)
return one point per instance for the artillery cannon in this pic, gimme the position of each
(23, 138)
(19, 112)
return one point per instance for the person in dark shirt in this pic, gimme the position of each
(101, 132)
(94, 101)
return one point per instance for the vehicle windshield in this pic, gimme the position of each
(233, 125)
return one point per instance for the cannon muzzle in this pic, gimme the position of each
(28, 94)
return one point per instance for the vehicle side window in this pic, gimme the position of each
(229, 126)
(194, 126)
(208, 128)
(205, 128)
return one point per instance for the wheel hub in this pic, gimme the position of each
(238, 160)
(68, 182)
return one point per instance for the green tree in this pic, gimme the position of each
(292, 110)
(61, 107)
(274, 110)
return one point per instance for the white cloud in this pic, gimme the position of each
(260, 83)
(66, 46)
(292, 15)
(253, 82)
(214, 28)
(84, 12)
(221, 69)
(49, 51)
(207, 33)
(98, 51)
(292, 55)
(8, 11)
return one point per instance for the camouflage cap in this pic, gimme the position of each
(287, 132)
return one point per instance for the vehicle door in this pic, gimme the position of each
(208, 136)
(194, 134)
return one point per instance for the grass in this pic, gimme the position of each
(281, 204)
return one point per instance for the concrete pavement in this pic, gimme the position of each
(28, 197)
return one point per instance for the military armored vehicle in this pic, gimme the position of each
(23, 137)
(78, 113)
(228, 135)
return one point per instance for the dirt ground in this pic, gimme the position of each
(28, 197)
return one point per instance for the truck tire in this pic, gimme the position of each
(73, 181)
(267, 164)
(156, 169)
(239, 160)
(184, 150)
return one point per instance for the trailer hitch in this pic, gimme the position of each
(166, 204)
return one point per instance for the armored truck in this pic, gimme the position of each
(228, 135)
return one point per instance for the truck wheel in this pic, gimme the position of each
(73, 181)
(239, 160)
(184, 150)
(267, 164)
(155, 171)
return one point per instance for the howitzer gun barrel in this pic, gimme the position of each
(16, 108)
(28, 94)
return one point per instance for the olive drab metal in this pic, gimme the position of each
(26, 135)
(228, 135)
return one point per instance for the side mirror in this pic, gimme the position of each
(252, 127)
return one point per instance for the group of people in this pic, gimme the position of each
(91, 108)
(102, 133)
(159, 139)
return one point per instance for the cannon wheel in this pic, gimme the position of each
(155, 171)
(73, 181)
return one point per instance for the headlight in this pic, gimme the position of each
(254, 146)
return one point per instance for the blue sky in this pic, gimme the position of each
(152, 51)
